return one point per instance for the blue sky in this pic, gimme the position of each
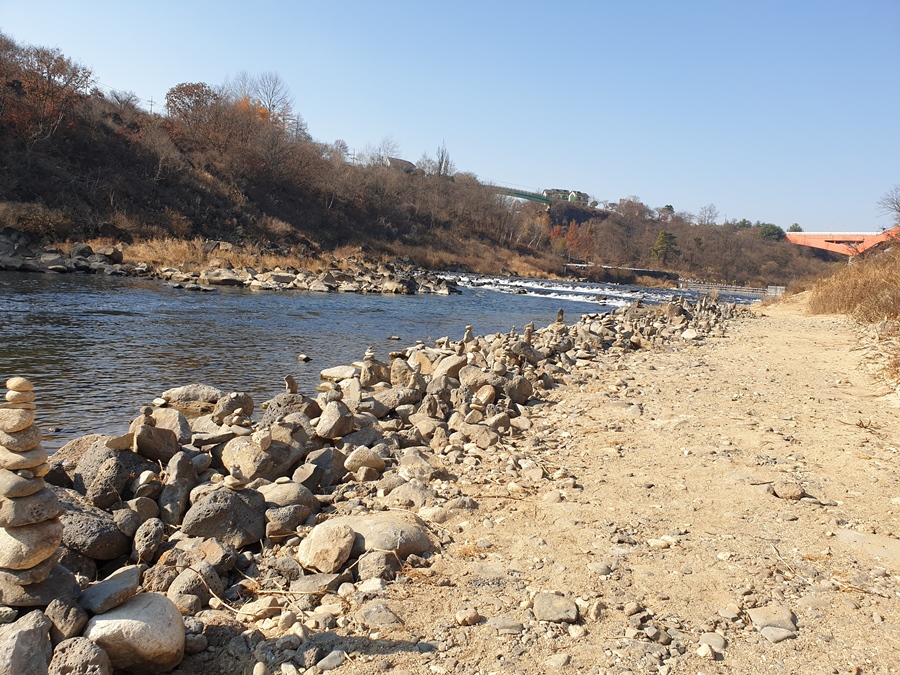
(781, 111)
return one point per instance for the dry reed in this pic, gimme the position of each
(868, 290)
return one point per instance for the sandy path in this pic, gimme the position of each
(658, 470)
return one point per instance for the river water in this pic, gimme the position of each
(98, 348)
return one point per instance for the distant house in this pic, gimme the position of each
(556, 195)
(579, 197)
(401, 165)
(567, 196)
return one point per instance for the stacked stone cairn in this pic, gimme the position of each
(30, 528)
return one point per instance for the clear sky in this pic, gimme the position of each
(776, 110)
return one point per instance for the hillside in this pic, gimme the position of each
(236, 163)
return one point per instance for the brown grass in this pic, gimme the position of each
(868, 290)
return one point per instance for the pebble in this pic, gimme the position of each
(714, 640)
(468, 617)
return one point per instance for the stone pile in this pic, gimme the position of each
(30, 528)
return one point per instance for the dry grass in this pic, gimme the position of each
(868, 290)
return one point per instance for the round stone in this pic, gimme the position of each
(22, 441)
(20, 396)
(19, 384)
(15, 420)
(13, 485)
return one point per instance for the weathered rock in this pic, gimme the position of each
(289, 493)
(377, 615)
(26, 546)
(32, 575)
(284, 520)
(339, 373)
(402, 533)
(181, 478)
(378, 565)
(147, 540)
(327, 547)
(286, 404)
(331, 461)
(12, 419)
(60, 583)
(13, 461)
(89, 530)
(112, 591)
(144, 635)
(233, 517)
(23, 440)
(25, 647)
(364, 456)
(335, 421)
(40, 506)
(13, 485)
(67, 619)
(175, 421)
(450, 366)
(79, 656)
(200, 579)
(193, 392)
(555, 608)
(228, 404)
(155, 443)
(784, 490)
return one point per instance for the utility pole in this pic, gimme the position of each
(151, 105)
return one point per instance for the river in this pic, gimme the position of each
(98, 348)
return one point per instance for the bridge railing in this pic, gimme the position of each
(745, 291)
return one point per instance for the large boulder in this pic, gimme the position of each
(234, 517)
(397, 531)
(144, 635)
(89, 530)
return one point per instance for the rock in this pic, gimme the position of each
(181, 478)
(245, 456)
(788, 490)
(286, 404)
(378, 565)
(333, 660)
(112, 591)
(364, 457)
(284, 520)
(336, 421)
(339, 373)
(12, 485)
(26, 546)
(32, 575)
(68, 619)
(60, 584)
(147, 540)
(13, 461)
(236, 518)
(557, 661)
(200, 580)
(554, 608)
(714, 640)
(468, 617)
(155, 443)
(397, 531)
(777, 616)
(289, 493)
(327, 547)
(19, 384)
(518, 389)
(144, 635)
(12, 419)
(175, 421)
(108, 483)
(23, 440)
(228, 404)
(89, 530)
(450, 366)
(193, 392)
(25, 647)
(79, 656)
(775, 634)
(127, 521)
(42, 505)
(377, 615)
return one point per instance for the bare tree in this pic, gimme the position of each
(890, 203)
(273, 94)
(444, 165)
(708, 215)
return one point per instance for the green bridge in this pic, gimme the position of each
(522, 194)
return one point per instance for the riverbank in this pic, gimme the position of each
(731, 483)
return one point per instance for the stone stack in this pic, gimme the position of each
(30, 529)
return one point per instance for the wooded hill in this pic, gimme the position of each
(235, 162)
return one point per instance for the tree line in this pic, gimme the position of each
(236, 161)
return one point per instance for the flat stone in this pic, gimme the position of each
(777, 616)
(714, 640)
(193, 392)
(22, 441)
(12, 485)
(144, 635)
(554, 608)
(333, 660)
(12, 420)
(32, 575)
(112, 591)
(315, 584)
(27, 546)
(25, 647)
(396, 531)
(378, 614)
(775, 634)
(42, 505)
(155, 443)
(13, 461)
(505, 626)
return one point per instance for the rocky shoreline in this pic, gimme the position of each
(214, 537)
(402, 277)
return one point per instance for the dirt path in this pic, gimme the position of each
(644, 493)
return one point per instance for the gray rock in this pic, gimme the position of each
(25, 647)
(378, 565)
(144, 635)
(333, 660)
(112, 591)
(32, 575)
(67, 619)
(79, 656)
(554, 608)
(89, 530)
(518, 389)
(200, 580)
(147, 540)
(175, 421)
(13, 485)
(26, 546)
(376, 615)
(284, 520)
(236, 518)
(289, 494)
(331, 461)
(335, 421)
(397, 531)
(228, 404)
(286, 404)
(155, 443)
(714, 640)
(60, 584)
(364, 457)
(777, 616)
(181, 478)
(108, 483)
